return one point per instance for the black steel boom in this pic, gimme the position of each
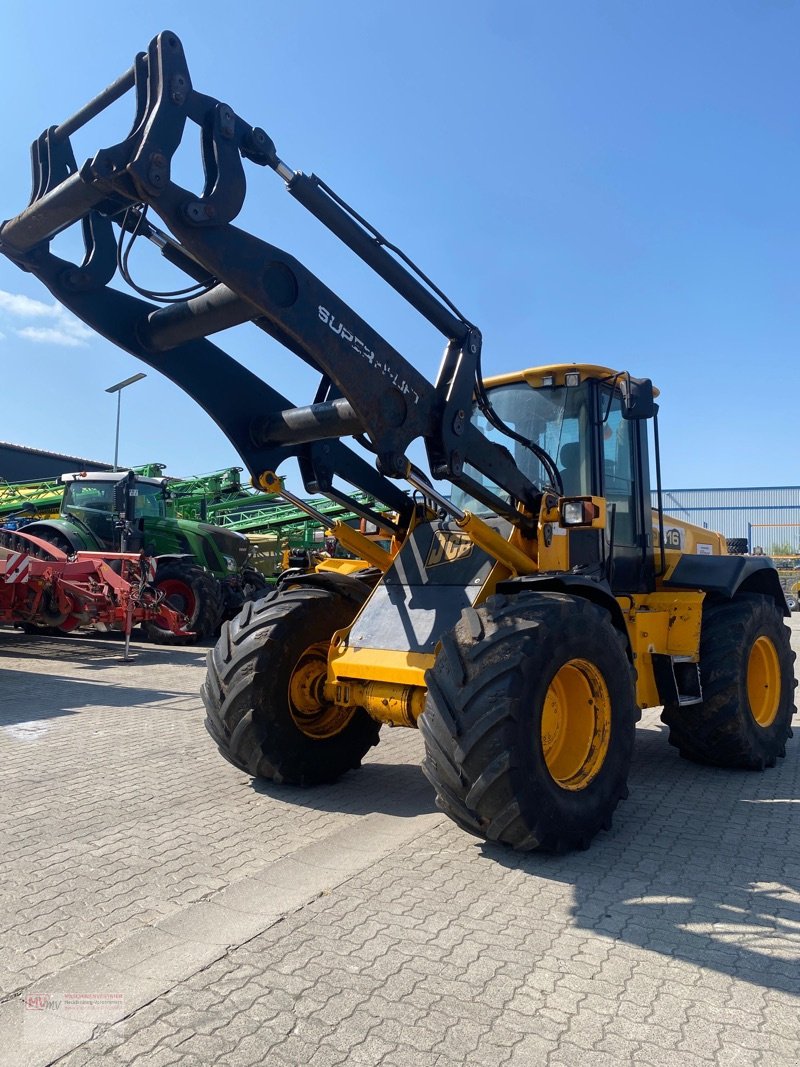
(367, 388)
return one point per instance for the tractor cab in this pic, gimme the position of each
(98, 499)
(591, 421)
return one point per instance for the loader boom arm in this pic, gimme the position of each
(367, 388)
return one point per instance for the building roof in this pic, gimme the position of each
(78, 460)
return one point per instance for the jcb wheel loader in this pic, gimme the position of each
(529, 606)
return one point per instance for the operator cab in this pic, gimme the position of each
(591, 421)
(95, 500)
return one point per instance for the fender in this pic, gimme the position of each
(727, 576)
(596, 590)
(80, 539)
(350, 587)
(175, 557)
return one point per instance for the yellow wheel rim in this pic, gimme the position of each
(764, 681)
(311, 712)
(576, 724)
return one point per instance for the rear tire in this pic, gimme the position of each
(747, 677)
(190, 590)
(251, 671)
(52, 537)
(530, 721)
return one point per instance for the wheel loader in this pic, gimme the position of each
(531, 602)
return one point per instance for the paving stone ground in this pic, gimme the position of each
(204, 919)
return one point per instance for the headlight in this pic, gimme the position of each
(230, 563)
(572, 513)
(584, 511)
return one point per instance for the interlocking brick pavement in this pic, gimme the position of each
(674, 939)
(116, 808)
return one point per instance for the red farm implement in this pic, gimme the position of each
(43, 588)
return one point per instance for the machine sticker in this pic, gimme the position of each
(673, 538)
(447, 547)
(705, 550)
(366, 353)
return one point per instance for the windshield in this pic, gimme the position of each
(99, 497)
(554, 418)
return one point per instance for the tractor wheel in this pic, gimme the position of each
(254, 584)
(263, 690)
(58, 540)
(250, 585)
(191, 590)
(747, 677)
(52, 537)
(530, 721)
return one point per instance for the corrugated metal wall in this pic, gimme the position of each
(21, 464)
(767, 516)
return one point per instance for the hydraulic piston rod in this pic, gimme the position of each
(353, 540)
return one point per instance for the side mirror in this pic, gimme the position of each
(638, 399)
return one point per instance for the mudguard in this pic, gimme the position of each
(349, 586)
(726, 576)
(596, 590)
(80, 540)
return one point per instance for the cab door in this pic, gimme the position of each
(625, 483)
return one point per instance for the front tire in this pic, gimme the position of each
(263, 690)
(530, 721)
(747, 678)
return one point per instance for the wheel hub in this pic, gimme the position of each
(178, 595)
(576, 724)
(311, 710)
(763, 681)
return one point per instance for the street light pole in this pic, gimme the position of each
(118, 390)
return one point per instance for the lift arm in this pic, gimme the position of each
(367, 388)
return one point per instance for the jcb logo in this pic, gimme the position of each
(448, 547)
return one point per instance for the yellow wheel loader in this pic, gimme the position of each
(530, 602)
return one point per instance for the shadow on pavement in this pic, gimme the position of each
(29, 697)
(702, 865)
(389, 789)
(99, 652)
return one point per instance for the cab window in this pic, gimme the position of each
(556, 418)
(618, 469)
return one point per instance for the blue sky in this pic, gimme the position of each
(600, 181)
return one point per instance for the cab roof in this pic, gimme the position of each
(535, 376)
(110, 476)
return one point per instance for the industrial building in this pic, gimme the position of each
(18, 463)
(769, 517)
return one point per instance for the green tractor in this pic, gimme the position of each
(202, 570)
